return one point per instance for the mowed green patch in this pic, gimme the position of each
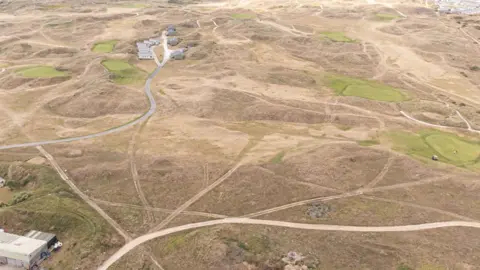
(348, 86)
(449, 148)
(385, 16)
(104, 46)
(41, 72)
(337, 37)
(123, 72)
(243, 16)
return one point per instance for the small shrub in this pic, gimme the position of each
(404, 267)
(462, 104)
(475, 68)
(19, 197)
(464, 74)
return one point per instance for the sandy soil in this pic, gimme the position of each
(249, 122)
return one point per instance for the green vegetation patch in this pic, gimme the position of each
(54, 7)
(348, 86)
(449, 148)
(278, 158)
(123, 72)
(243, 16)
(368, 142)
(337, 37)
(104, 46)
(41, 72)
(134, 5)
(385, 16)
(50, 205)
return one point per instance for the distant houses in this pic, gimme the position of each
(144, 48)
(173, 41)
(144, 52)
(177, 55)
(171, 32)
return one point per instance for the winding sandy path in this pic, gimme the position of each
(142, 118)
(319, 227)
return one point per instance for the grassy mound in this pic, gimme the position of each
(51, 206)
(124, 73)
(104, 47)
(337, 37)
(385, 16)
(41, 72)
(243, 16)
(347, 86)
(450, 148)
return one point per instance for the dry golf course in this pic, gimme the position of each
(304, 126)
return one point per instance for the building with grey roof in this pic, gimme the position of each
(171, 32)
(19, 251)
(144, 50)
(177, 55)
(468, 7)
(173, 41)
(50, 238)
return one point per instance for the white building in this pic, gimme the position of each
(21, 252)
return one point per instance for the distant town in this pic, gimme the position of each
(458, 6)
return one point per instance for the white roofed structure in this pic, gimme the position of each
(20, 251)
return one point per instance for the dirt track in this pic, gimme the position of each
(319, 227)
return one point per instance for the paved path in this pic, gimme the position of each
(319, 227)
(145, 116)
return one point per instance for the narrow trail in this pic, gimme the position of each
(346, 195)
(469, 127)
(163, 210)
(195, 198)
(381, 123)
(133, 169)
(428, 208)
(319, 227)
(382, 173)
(403, 203)
(82, 195)
(439, 126)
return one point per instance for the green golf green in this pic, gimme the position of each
(450, 148)
(123, 72)
(104, 46)
(453, 147)
(347, 86)
(41, 72)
